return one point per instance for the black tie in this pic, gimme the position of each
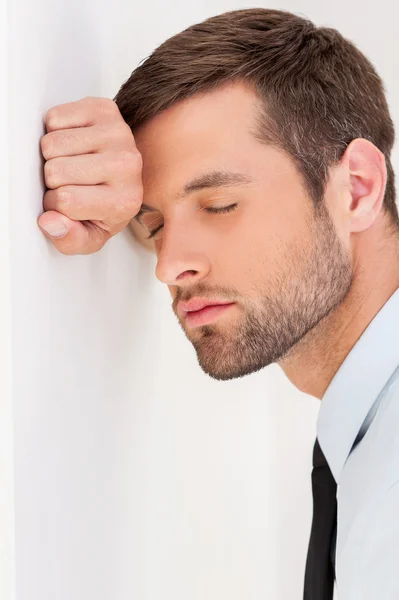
(319, 573)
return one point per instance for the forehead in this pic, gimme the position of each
(230, 107)
(211, 130)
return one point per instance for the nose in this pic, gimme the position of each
(182, 260)
(181, 270)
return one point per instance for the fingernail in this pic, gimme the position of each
(56, 229)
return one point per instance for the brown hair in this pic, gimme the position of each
(317, 90)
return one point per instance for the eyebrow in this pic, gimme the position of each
(213, 179)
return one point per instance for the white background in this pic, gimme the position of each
(137, 477)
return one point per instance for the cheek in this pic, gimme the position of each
(273, 232)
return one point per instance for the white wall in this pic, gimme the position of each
(7, 559)
(136, 475)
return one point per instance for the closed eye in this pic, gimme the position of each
(223, 209)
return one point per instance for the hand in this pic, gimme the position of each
(93, 172)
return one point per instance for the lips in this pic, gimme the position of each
(207, 315)
(198, 304)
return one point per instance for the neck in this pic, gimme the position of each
(315, 360)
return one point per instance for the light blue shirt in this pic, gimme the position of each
(358, 432)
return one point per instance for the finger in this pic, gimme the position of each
(81, 113)
(83, 140)
(80, 238)
(89, 202)
(90, 169)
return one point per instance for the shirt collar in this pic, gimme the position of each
(357, 384)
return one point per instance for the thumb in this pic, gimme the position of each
(53, 224)
(72, 237)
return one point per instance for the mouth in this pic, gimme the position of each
(206, 315)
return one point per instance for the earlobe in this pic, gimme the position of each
(368, 175)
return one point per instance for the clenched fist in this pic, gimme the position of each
(93, 172)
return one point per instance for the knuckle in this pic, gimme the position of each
(109, 103)
(132, 199)
(138, 159)
(126, 158)
(124, 133)
(120, 207)
(131, 159)
(60, 200)
(105, 106)
(123, 202)
(51, 118)
(47, 145)
(51, 173)
(64, 197)
(128, 203)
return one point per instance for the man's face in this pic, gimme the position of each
(284, 268)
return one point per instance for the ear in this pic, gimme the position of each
(367, 171)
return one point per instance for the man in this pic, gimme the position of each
(260, 166)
